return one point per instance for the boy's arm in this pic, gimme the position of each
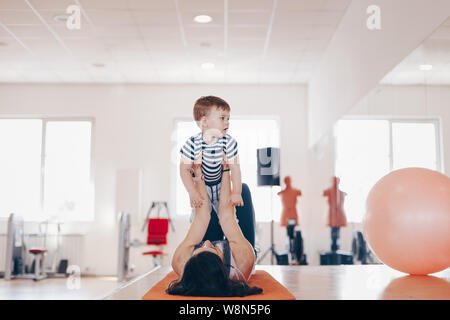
(236, 179)
(185, 174)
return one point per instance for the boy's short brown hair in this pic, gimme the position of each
(203, 106)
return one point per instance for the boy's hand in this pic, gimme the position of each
(196, 199)
(236, 200)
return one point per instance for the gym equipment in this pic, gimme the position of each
(407, 220)
(59, 271)
(268, 174)
(295, 255)
(336, 219)
(16, 253)
(295, 244)
(124, 246)
(157, 229)
(361, 250)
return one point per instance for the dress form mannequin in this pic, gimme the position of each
(336, 220)
(289, 201)
(336, 215)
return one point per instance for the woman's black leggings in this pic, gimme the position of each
(245, 216)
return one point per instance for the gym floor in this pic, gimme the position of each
(90, 288)
(344, 282)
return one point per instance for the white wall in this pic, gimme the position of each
(382, 101)
(133, 125)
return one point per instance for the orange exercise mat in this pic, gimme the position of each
(272, 289)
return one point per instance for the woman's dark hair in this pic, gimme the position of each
(205, 275)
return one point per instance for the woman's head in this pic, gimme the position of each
(205, 275)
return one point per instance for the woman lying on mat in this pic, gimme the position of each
(218, 269)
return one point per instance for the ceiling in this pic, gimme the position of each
(157, 41)
(434, 51)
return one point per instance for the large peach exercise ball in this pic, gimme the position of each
(407, 220)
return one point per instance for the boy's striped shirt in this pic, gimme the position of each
(212, 155)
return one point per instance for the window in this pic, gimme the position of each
(251, 135)
(367, 150)
(46, 169)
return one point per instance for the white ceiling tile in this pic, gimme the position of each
(4, 34)
(277, 66)
(205, 5)
(247, 32)
(52, 4)
(340, 5)
(46, 47)
(86, 31)
(244, 44)
(104, 4)
(160, 32)
(117, 31)
(313, 5)
(275, 77)
(250, 5)
(446, 23)
(152, 17)
(13, 5)
(110, 17)
(37, 31)
(249, 18)
(308, 17)
(204, 34)
(13, 17)
(153, 4)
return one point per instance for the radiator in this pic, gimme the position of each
(70, 248)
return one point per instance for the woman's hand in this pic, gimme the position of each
(196, 199)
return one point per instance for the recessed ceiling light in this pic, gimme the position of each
(61, 18)
(202, 19)
(425, 67)
(98, 64)
(208, 65)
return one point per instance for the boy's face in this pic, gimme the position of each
(217, 122)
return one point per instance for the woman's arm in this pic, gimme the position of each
(241, 249)
(196, 230)
(227, 219)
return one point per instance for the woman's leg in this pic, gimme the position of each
(245, 215)
(214, 231)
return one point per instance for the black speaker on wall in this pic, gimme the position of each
(268, 172)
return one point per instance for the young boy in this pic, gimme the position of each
(212, 115)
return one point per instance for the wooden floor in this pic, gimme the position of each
(348, 282)
(89, 288)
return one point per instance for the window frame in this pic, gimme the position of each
(436, 120)
(45, 120)
(174, 171)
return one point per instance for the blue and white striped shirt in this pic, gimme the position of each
(212, 155)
